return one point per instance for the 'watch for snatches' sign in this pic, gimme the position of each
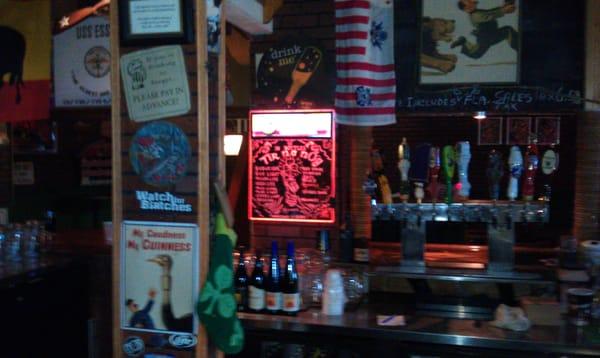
(155, 83)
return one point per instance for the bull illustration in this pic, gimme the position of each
(12, 45)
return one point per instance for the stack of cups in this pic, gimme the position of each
(334, 298)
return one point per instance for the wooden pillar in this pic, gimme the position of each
(195, 186)
(360, 164)
(587, 188)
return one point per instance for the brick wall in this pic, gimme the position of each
(315, 18)
(305, 19)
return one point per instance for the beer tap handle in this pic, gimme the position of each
(495, 172)
(515, 165)
(404, 167)
(448, 167)
(531, 166)
(549, 167)
(434, 171)
(463, 157)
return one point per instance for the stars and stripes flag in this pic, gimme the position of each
(366, 83)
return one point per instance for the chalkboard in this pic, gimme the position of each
(293, 179)
(551, 67)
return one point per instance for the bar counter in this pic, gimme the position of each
(44, 305)
(432, 335)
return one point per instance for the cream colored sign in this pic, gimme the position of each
(155, 83)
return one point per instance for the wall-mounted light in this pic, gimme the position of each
(232, 144)
(480, 115)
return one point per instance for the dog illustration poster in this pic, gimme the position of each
(469, 41)
(490, 131)
(547, 130)
(159, 266)
(518, 130)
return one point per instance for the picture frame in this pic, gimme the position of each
(518, 130)
(155, 22)
(34, 137)
(490, 131)
(452, 50)
(547, 130)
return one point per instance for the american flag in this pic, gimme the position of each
(366, 83)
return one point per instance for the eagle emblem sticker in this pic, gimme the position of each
(160, 153)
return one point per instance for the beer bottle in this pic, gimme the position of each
(241, 284)
(273, 283)
(256, 288)
(291, 295)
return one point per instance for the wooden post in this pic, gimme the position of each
(360, 164)
(117, 199)
(196, 124)
(202, 349)
(587, 188)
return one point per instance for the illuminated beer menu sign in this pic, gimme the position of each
(292, 166)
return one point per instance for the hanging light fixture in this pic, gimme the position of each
(232, 144)
(480, 115)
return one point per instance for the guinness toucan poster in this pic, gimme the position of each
(159, 266)
(25, 46)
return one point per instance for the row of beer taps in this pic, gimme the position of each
(451, 161)
(428, 162)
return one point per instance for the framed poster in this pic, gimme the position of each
(490, 131)
(547, 130)
(518, 130)
(81, 65)
(155, 22)
(155, 83)
(159, 286)
(292, 166)
(468, 41)
(35, 137)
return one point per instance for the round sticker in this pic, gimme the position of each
(160, 153)
(133, 346)
(97, 61)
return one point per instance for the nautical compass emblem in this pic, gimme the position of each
(97, 61)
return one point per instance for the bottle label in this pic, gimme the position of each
(238, 297)
(256, 299)
(274, 301)
(291, 302)
(361, 255)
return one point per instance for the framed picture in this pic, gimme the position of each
(4, 140)
(547, 130)
(155, 22)
(490, 131)
(34, 137)
(466, 42)
(153, 253)
(518, 130)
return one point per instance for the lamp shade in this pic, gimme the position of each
(233, 143)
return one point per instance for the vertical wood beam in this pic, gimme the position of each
(587, 173)
(203, 160)
(222, 99)
(360, 164)
(117, 211)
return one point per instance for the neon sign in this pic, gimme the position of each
(292, 166)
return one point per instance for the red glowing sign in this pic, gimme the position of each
(292, 166)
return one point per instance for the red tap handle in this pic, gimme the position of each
(434, 187)
(530, 168)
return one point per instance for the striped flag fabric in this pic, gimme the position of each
(366, 82)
